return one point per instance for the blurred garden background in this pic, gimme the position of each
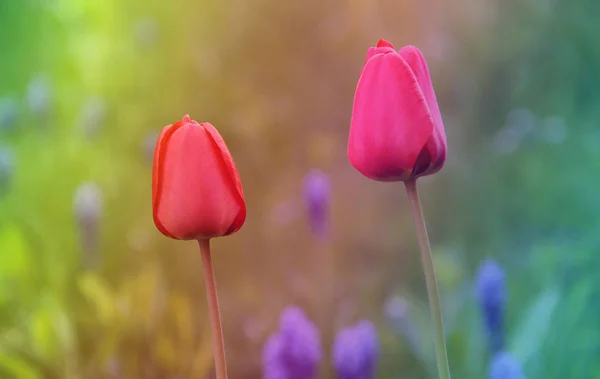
(90, 289)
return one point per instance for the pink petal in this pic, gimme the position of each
(413, 56)
(391, 121)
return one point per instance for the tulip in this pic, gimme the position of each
(491, 294)
(396, 132)
(197, 195)
(196, 190)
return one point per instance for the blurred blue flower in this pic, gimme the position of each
(491, 294)
(87, 206)
(8, 113)
(294, 352)
(317, 197)
(93, 115)
(505, 366)
(355, 352)
(7, 162)
(39, 95)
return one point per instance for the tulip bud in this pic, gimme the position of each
(196, 189)
(294, 352)
(6, 168)
(87, 206)
(317, 198)
(491, 294)
(355, 352)
(396, 131)
(505, 366)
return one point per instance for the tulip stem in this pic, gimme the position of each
(213, 309)
(432, 288)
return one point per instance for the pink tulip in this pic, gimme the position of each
(396, 132)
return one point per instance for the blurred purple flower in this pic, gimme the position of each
(93, 115)
(396, 309)
(317, 197)
(505, 366)
(355, 352)
(39, 95)
(8, 114)
(294, 352)
(6, 168)
(87, 206)
(491, 294)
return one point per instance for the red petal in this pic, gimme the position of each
(382, 43)
(157, 175)
(383, 47)
(232, 172)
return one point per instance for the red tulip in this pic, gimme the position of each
(196, 189)
(396, 132)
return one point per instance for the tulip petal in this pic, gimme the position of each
(383, 47)
(391, 120)
(158, 166)
(384, 43)
(437, 143)
(232, 173)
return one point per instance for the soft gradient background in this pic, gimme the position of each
(86, 85)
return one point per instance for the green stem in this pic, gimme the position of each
(432, 288)
(213, 309)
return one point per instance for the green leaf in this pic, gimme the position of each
(535, 325)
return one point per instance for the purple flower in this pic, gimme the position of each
(355, 351)
(317, 195)
(491, 293)
(505, 366)
(294, 352)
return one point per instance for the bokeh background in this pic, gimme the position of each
(90, 289)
